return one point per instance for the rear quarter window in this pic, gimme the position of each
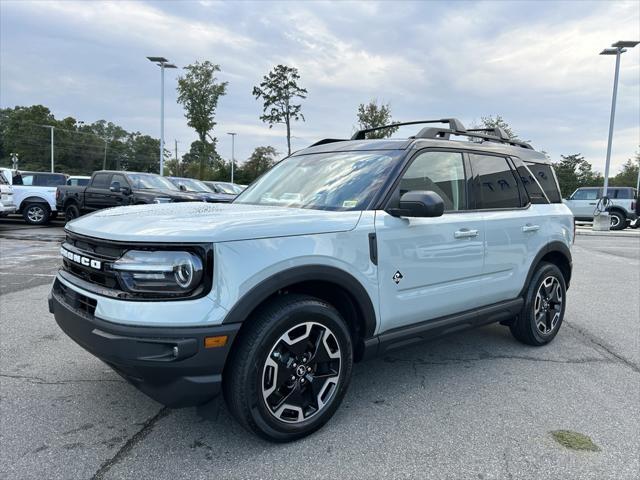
(546, 178)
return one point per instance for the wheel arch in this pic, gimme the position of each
(34, 199)
(333, 285)
(620, 210)
(557, 253)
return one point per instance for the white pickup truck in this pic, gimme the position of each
(34, 194)
(7, 204)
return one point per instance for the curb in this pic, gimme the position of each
(622, 233)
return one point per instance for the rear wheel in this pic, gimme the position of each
(290, 370)
(618, 220)
(543, 312)
(36, 213)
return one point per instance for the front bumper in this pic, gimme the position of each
(170, 365)
(8, 208)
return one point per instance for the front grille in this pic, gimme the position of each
(73, 299)
(95, 249)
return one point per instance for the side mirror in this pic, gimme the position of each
(419, 203)
(125, 190)
(182, 188)
(115, 187)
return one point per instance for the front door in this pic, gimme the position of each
(430, 267)
(583, 202)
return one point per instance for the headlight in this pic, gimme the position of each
(159, 271)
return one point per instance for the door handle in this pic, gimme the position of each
(594, 203)
(530, 228)
(465, 233)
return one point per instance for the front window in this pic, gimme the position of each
(149, 181)
(325, 181)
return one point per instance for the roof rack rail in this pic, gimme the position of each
(454, 124)
(327, 140)
(443, 133)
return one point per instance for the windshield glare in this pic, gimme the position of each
(192, 185)
(226, 188)
(148, 181)
(326, 181)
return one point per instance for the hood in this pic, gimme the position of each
(208, 222)
(173, 194)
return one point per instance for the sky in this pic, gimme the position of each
(534, 63)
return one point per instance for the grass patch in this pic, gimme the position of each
(574, 440)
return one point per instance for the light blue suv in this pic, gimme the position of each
(342, 251)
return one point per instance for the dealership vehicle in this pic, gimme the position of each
(7, 205)
(116, 188)
(78, 181)
(199, 188)
(34, 193)
(226, 188)
(342, 251)
(584, 203)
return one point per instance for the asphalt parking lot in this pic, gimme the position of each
(473, 405)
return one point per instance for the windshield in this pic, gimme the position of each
(326, 181)
(191, 184)
(227, 188)
(149, 181)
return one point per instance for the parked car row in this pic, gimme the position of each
(40, 196)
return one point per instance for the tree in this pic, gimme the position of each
(628, 176)
(497, 121)
(199, 91)
(574, 171)
(278, 89)
(261, 160)
(373, 115)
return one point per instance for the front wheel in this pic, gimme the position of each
(36, 213)
(290, 369)
(541, 317)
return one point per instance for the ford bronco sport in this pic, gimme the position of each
(344, 250)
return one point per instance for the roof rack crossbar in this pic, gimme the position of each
(327, 140)
(496, 131)
(454, 124)
(436, 133)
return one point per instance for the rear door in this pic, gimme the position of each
(97, 194)
(430, 267)
(515, 229)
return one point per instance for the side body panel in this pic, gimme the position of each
(441, 271)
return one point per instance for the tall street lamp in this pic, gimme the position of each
(233, 151)
(618, 49)
(162, 63)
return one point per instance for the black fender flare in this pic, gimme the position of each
(291, 276)
(551, 247)
(618, 209)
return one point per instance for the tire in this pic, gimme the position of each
(618, 220)
(543, 307)
(36, 213)
(71, 211)
(260, 382)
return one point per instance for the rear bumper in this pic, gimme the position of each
(170, 365)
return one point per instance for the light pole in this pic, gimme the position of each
(602, 222)
(233, 151)
(162, 63)
(52, 150)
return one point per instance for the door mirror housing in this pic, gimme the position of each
(125, 190)
(182, 188)
(115, 187)
(419, 203)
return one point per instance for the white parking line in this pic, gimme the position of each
(29, 274)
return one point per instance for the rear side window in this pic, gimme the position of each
(101, 180)
(42, 180)
(494, 183)
(622, 193)
(547, 180)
